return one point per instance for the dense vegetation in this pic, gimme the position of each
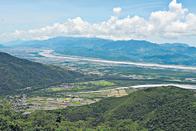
(132, 50)
(162, 109)
(17, 74)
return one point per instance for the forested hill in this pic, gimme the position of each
(164, 109)
(153, 109)
(17, 74)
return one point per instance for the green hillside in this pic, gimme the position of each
(153, 109)
(17, 74)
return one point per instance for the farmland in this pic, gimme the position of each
(105, 80)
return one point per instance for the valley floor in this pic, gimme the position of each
(109, 79)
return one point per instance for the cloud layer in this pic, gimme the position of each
(176, 24)
(117, 10)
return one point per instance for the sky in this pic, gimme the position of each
(158, 21)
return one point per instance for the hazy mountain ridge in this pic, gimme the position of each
(130, 50)
(1, 46)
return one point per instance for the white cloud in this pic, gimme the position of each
(176, 24)
(117, 10)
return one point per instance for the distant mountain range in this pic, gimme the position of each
(19, 74)
(1, 46)
(131, 50)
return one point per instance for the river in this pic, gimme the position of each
(52, 54)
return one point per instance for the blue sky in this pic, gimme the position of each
(27, 14)
(34, 14)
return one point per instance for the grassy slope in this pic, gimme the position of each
(18, 73)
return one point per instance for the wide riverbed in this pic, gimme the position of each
(52, 54)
